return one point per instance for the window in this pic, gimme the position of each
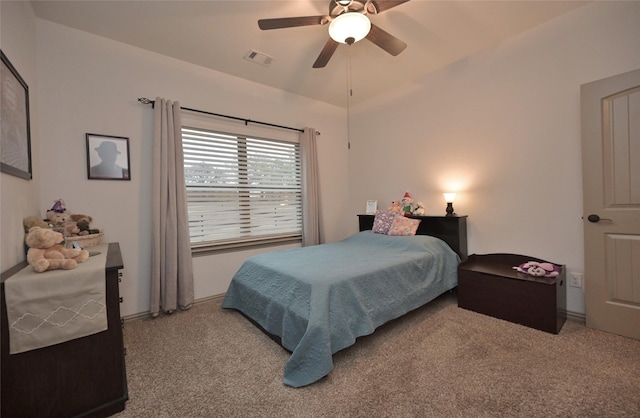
(241, 190)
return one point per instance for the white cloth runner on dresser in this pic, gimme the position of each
(57, 305)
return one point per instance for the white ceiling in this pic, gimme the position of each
(218, 34)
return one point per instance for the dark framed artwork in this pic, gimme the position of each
(108, 157)
(15, 142)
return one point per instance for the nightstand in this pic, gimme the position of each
(488, 284)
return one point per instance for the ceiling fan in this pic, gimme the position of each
(348, 23)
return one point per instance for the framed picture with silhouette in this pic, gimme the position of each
(108, 157)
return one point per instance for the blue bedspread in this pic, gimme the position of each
(319, 299)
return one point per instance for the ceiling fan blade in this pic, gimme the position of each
(291, 22)
(380, 6)
(385, 40)
(326, 54)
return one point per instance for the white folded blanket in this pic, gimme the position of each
(57, 305)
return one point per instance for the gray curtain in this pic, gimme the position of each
(172, 268)
(310, 189)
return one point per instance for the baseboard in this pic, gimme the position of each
(576, 316)
(144, 315)
(209, 299)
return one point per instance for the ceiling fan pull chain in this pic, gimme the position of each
(349, 73)
(349, 94)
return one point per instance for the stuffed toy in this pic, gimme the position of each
(57, 219)
(83, 222)
(31, 221)
(58, 214)
(70, 228)
(47, 253)
(419, 209)
(407, 204)
(395, 206)
(537, 269)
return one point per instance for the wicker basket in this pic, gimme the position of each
(87, 240)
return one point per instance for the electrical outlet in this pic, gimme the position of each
(575, 280)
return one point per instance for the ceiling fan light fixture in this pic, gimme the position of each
(349, 27)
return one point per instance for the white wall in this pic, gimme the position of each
(19, 197)
(501, 128)
(91, 84)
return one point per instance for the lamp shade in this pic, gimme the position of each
(449, 197)
(349, 27)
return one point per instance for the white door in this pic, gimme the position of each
(611, 186)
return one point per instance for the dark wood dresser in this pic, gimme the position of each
(450, 229)
(84, 377)
(488, 284)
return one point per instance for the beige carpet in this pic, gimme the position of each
(438, 361)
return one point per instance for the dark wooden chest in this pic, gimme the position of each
(488, 284)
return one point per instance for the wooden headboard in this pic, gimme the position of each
(450, 229)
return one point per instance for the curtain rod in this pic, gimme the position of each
(246, 121)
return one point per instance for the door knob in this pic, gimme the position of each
(595, 218)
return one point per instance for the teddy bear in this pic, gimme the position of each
(57, 219)
(419, 209)
(83, 222)
(395, 206)
(70, 228)
(47, 253)
(31, 221)
(58, 214)
(538, 269)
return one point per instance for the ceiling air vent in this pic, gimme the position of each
(259, 58)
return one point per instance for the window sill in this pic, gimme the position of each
(204, 250)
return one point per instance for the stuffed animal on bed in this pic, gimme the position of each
(419, 209)
(395, 206)
(407, 204)
(538, 269)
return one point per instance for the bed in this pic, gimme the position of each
(317, 300)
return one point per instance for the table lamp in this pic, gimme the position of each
(449, 198)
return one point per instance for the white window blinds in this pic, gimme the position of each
(241, 189)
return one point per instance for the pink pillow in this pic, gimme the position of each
(404, 226)
(383, 220)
